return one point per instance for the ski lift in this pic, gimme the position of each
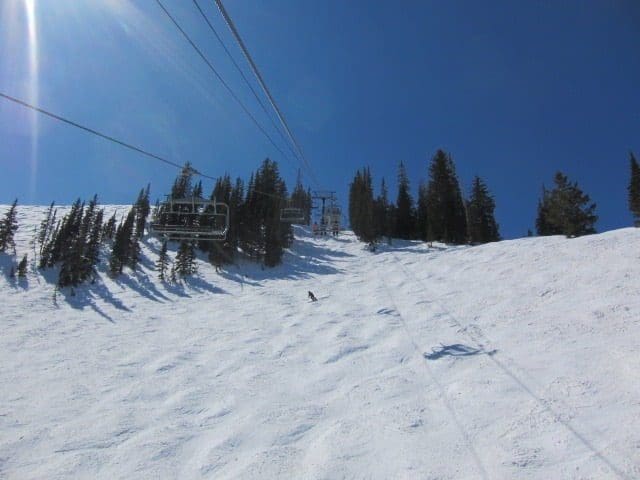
(293, 215)
(331, 219)
(191, 219)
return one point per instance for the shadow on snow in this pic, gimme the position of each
(456, 350)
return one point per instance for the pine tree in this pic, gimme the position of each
(173, 278)
(565, 210)
(47, 227)
(182, 187)
(634, 189)
(185, 259)
(383, 221)
(422, 213)
(85, 248)
(163, 262)
(446, 214)
(481, 223)
(8, 227)
(237, 209)
(143, 208)
(22, 267)
(197, 190)
(361, 207)
(275, 236)
(121, 251)
(135, 250)
(405, 214)
(92, 248)
(249, 229)
(71, 247)
(109, 230)
(301, 198)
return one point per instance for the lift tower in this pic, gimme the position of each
(329, 213)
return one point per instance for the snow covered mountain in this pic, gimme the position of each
(513, 360)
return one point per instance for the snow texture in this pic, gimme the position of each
(513, 360)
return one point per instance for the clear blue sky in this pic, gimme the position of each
(514, 90)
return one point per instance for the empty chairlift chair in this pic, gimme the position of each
(191, 218)
(293, 215)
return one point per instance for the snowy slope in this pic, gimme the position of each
(511, 360)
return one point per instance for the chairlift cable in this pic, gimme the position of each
(119, 142)
(99, 134)
(244, 77)
(219, 77)
(262, 83)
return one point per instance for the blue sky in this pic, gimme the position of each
(513, 90)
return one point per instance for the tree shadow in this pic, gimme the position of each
(140, 282)
(302, 260)
(7, 262)
(416, 246)
(238, 277)
(200, 285)
(456, 350)
(83, 296)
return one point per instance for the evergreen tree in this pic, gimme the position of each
(565, 210)
(134, 249)
(481, 223)
(274, 235)
(237, 209)
(182, 186)
(173, 278)
(22, 267)
(86, 256)
(405, 214)
(109, 230)
(446, 216)
(121, 250)
(163, 262)
(71, 246)
(249, 228)
(221, 193)
(383, 221)
(543, 227)
(92, 248)
(301, 198)
(143, 208)
(185, 264)
(634, 189)
(8, 227)
(421, 213)
(361, 207)
(197, 190)
(47, 227)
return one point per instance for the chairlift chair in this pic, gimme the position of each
(193, 218)
(293, 215)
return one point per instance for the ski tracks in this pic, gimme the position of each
(441, 391)
(482, 344)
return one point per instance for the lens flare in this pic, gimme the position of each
(32, 31)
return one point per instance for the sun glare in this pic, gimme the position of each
(32, 31)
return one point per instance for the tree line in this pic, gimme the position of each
(83, 238)
(439, 214)
(442, 213)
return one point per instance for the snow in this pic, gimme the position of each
(517, 359)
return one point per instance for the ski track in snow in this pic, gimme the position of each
(517, 359)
